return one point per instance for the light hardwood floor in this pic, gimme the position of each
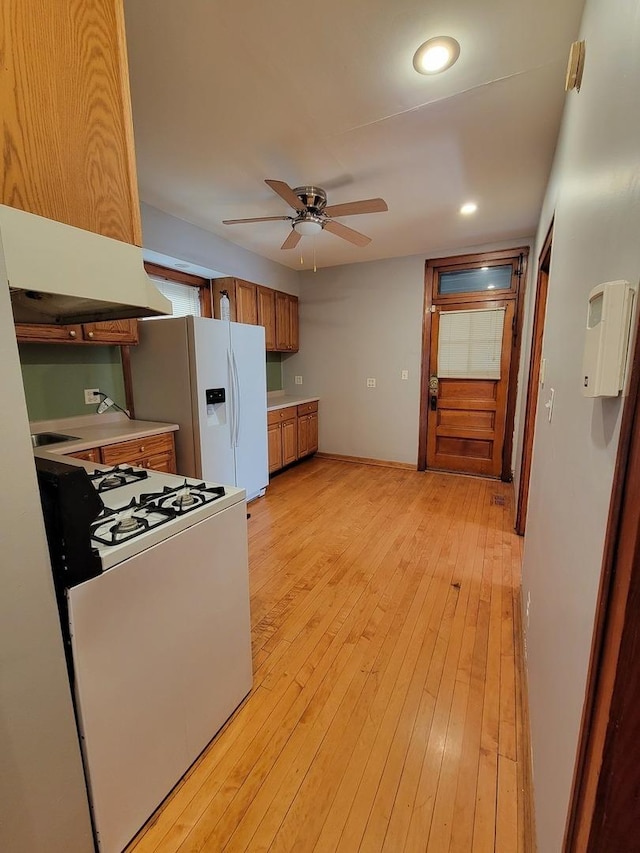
(387, 707)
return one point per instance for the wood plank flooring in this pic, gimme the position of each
(387, 712)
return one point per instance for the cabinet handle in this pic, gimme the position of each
(89, 334)
(72, 333)
(141, 449)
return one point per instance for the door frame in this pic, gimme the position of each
(610, 686)
(431, 299)
(533, 383)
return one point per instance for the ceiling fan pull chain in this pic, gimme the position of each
(315, 269)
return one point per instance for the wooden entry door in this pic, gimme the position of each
(467, 416)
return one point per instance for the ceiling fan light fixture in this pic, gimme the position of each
(468, 208)
(436, 55)
(308, 227)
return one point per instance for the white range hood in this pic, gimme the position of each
(61, 274)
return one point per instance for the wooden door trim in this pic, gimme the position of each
(537, 332)
(609, 671)
(430, 278)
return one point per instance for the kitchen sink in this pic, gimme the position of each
(41, 439)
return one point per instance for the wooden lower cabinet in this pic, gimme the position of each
(292, 434)
(156, 452)
(91, 455)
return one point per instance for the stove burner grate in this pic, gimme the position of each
(113, 478)
(129, 521)
(184, 498)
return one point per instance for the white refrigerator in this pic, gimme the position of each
(209, 377)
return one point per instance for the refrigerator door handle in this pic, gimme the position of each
(236, 396)
(232, 406)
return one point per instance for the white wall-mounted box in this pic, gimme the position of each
(607, 338)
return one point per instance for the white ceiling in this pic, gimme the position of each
(226, 94)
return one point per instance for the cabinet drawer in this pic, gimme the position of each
(91, 455)
(280, 415)
(127, 451)
(307, 408)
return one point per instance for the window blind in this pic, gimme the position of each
(470, 344)
(184, 298)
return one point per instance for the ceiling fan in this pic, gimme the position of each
(313, 215)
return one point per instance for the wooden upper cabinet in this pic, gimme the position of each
(66, 115)
(267, 315)
(286, 322)
(112, 332)
(261, 306)
(116, 332)
(246, 302)
(294, 324)
(283, 322)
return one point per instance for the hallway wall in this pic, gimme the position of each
(595, 192)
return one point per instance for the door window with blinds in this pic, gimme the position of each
(470, 344)
(184, 298)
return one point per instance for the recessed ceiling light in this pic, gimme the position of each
(436, 55)
(468, 208)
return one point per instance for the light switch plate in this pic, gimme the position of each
(298, 380)
(404, 374)
(371, 383)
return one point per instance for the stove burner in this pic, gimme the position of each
(111, 481)
(184, 499)
(128, 524)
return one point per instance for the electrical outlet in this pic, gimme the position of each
(91, 397)
(404, 374)
(298, 380)
(371, 383)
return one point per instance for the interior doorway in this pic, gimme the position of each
(533, 385)
(470, 352)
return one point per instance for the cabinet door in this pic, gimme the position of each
(164, 462)
(267, 315)
(283, 322)
(66, 116)
(313, 432)
(274, 434)
(91, 455)
(303, 435)
(111, 332)
(246, 302)
(42, 334)
(294, 340)
(289, 441)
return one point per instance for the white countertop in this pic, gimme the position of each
(97, 431)
(279, 400)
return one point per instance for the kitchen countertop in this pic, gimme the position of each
(277, 400)
(96, 431)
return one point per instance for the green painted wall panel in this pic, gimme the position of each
(274, 371)
(55, 376)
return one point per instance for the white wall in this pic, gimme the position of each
(179, 239)
(359, 321)
(43, 801)
(595, 191)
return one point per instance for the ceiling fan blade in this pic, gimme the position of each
(253, 219)
(349, 234)
(292, 240)
(367, 205)
(285, 192)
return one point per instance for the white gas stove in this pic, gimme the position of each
(151, 572)
(144, 507)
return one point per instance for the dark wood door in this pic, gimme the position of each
(467, 416)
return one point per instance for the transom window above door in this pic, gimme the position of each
(475, 278)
